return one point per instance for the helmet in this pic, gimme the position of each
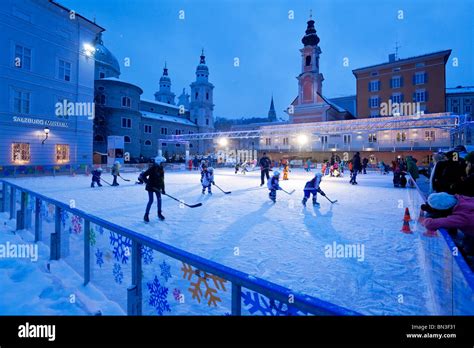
(159, 159)
(320, 175)
(99, 169)
(210, 169)
(117, 163)
(276, 173)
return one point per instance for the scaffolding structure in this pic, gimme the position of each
(446, 121)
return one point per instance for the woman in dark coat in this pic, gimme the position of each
(154, 178)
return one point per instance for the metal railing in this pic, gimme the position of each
(238, 279)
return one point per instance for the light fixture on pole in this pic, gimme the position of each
(223, 142)
(46, 134)
(88, 49)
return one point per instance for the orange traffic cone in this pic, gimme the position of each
(406, 227)
(407, 216)
(430, 233)
(421, 218)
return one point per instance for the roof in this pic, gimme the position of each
(159, 103)
(167, 118)
(460, 89)
(114, 79)
(77, 14)
(335, 106)
(445, 53)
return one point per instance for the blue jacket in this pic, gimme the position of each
(273, 183)
(313, 184)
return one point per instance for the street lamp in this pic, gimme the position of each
(302, 139)
(46, 134)
(89, 50)
(223, 142)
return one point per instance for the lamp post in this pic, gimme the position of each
(46, 134)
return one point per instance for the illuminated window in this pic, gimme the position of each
(372, 137)
(20, 152)
(62, 153)
(64, 70)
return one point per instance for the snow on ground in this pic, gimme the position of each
(284, 242)
(29, 288)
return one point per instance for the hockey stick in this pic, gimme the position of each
(108, 183)
(290, 193)
(226, 192)
(329, 199)
(123, 178)
(178, 200)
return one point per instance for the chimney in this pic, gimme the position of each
(391, 57)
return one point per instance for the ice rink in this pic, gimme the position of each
(285, 242)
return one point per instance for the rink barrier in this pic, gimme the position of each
(304, 303)
(466, 271)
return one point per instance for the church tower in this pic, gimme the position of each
(183, 99)
(201, 106)
(272, 117)
(310, 80)
(164, 95)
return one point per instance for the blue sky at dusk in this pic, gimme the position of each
(267, 43)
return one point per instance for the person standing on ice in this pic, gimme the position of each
(265, 164)
(115, 172)
(274, 185)
(207, 179)
(365, 162)
(312, 188)
(96, 177)
(356, 167)
(154, 177)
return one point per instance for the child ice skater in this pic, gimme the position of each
(273, 185)
(96, 173)
(312, 188)
(207, 179)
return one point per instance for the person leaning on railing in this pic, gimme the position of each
(452, 212)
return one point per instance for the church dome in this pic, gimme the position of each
(104, 57)
(311, 38)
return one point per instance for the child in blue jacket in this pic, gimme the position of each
(273, 185)
(312, 188)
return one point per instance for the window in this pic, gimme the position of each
(420, 78)
(455, 109)
(126, 122)
(101, 75)
(21, 102)
(308, 60)
(374, 102)
(396, 69)
(420, 96)
(467, 109)
(207, 95)
(62, 153)
(419, 65)
(20, 152)
(22, 57)
(99, 138)
(374, 113)
(164, 130)
(164, 144)
(401, 136)
(127, 139)
(286, 141)
(147, 142)
(177, 132)
(347, 138)
(397, 98)
(374, 73)
(190, 132)
(126, 102)
(101, 99)
(268, 141)
(64, 71)
(148, 129)
(178, 145)
(324, 139)
(196, 95)
(396, 82)
(374, 86)
(207, 122)
(429, 135)
(372, 137)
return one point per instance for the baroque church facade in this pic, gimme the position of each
(146, 124)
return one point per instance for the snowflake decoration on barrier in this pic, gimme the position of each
(100, 229)
(99, 256)
(257, 303)
(158, 296)
(121, 247)
(165, 270)
(76, 222)
(64, 217)
(92, 237)
(203, 278)
(118, 274)
(177, 294)
(147, 254)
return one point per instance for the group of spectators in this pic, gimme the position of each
(450, 204)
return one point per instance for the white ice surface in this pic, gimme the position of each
(283, 242)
